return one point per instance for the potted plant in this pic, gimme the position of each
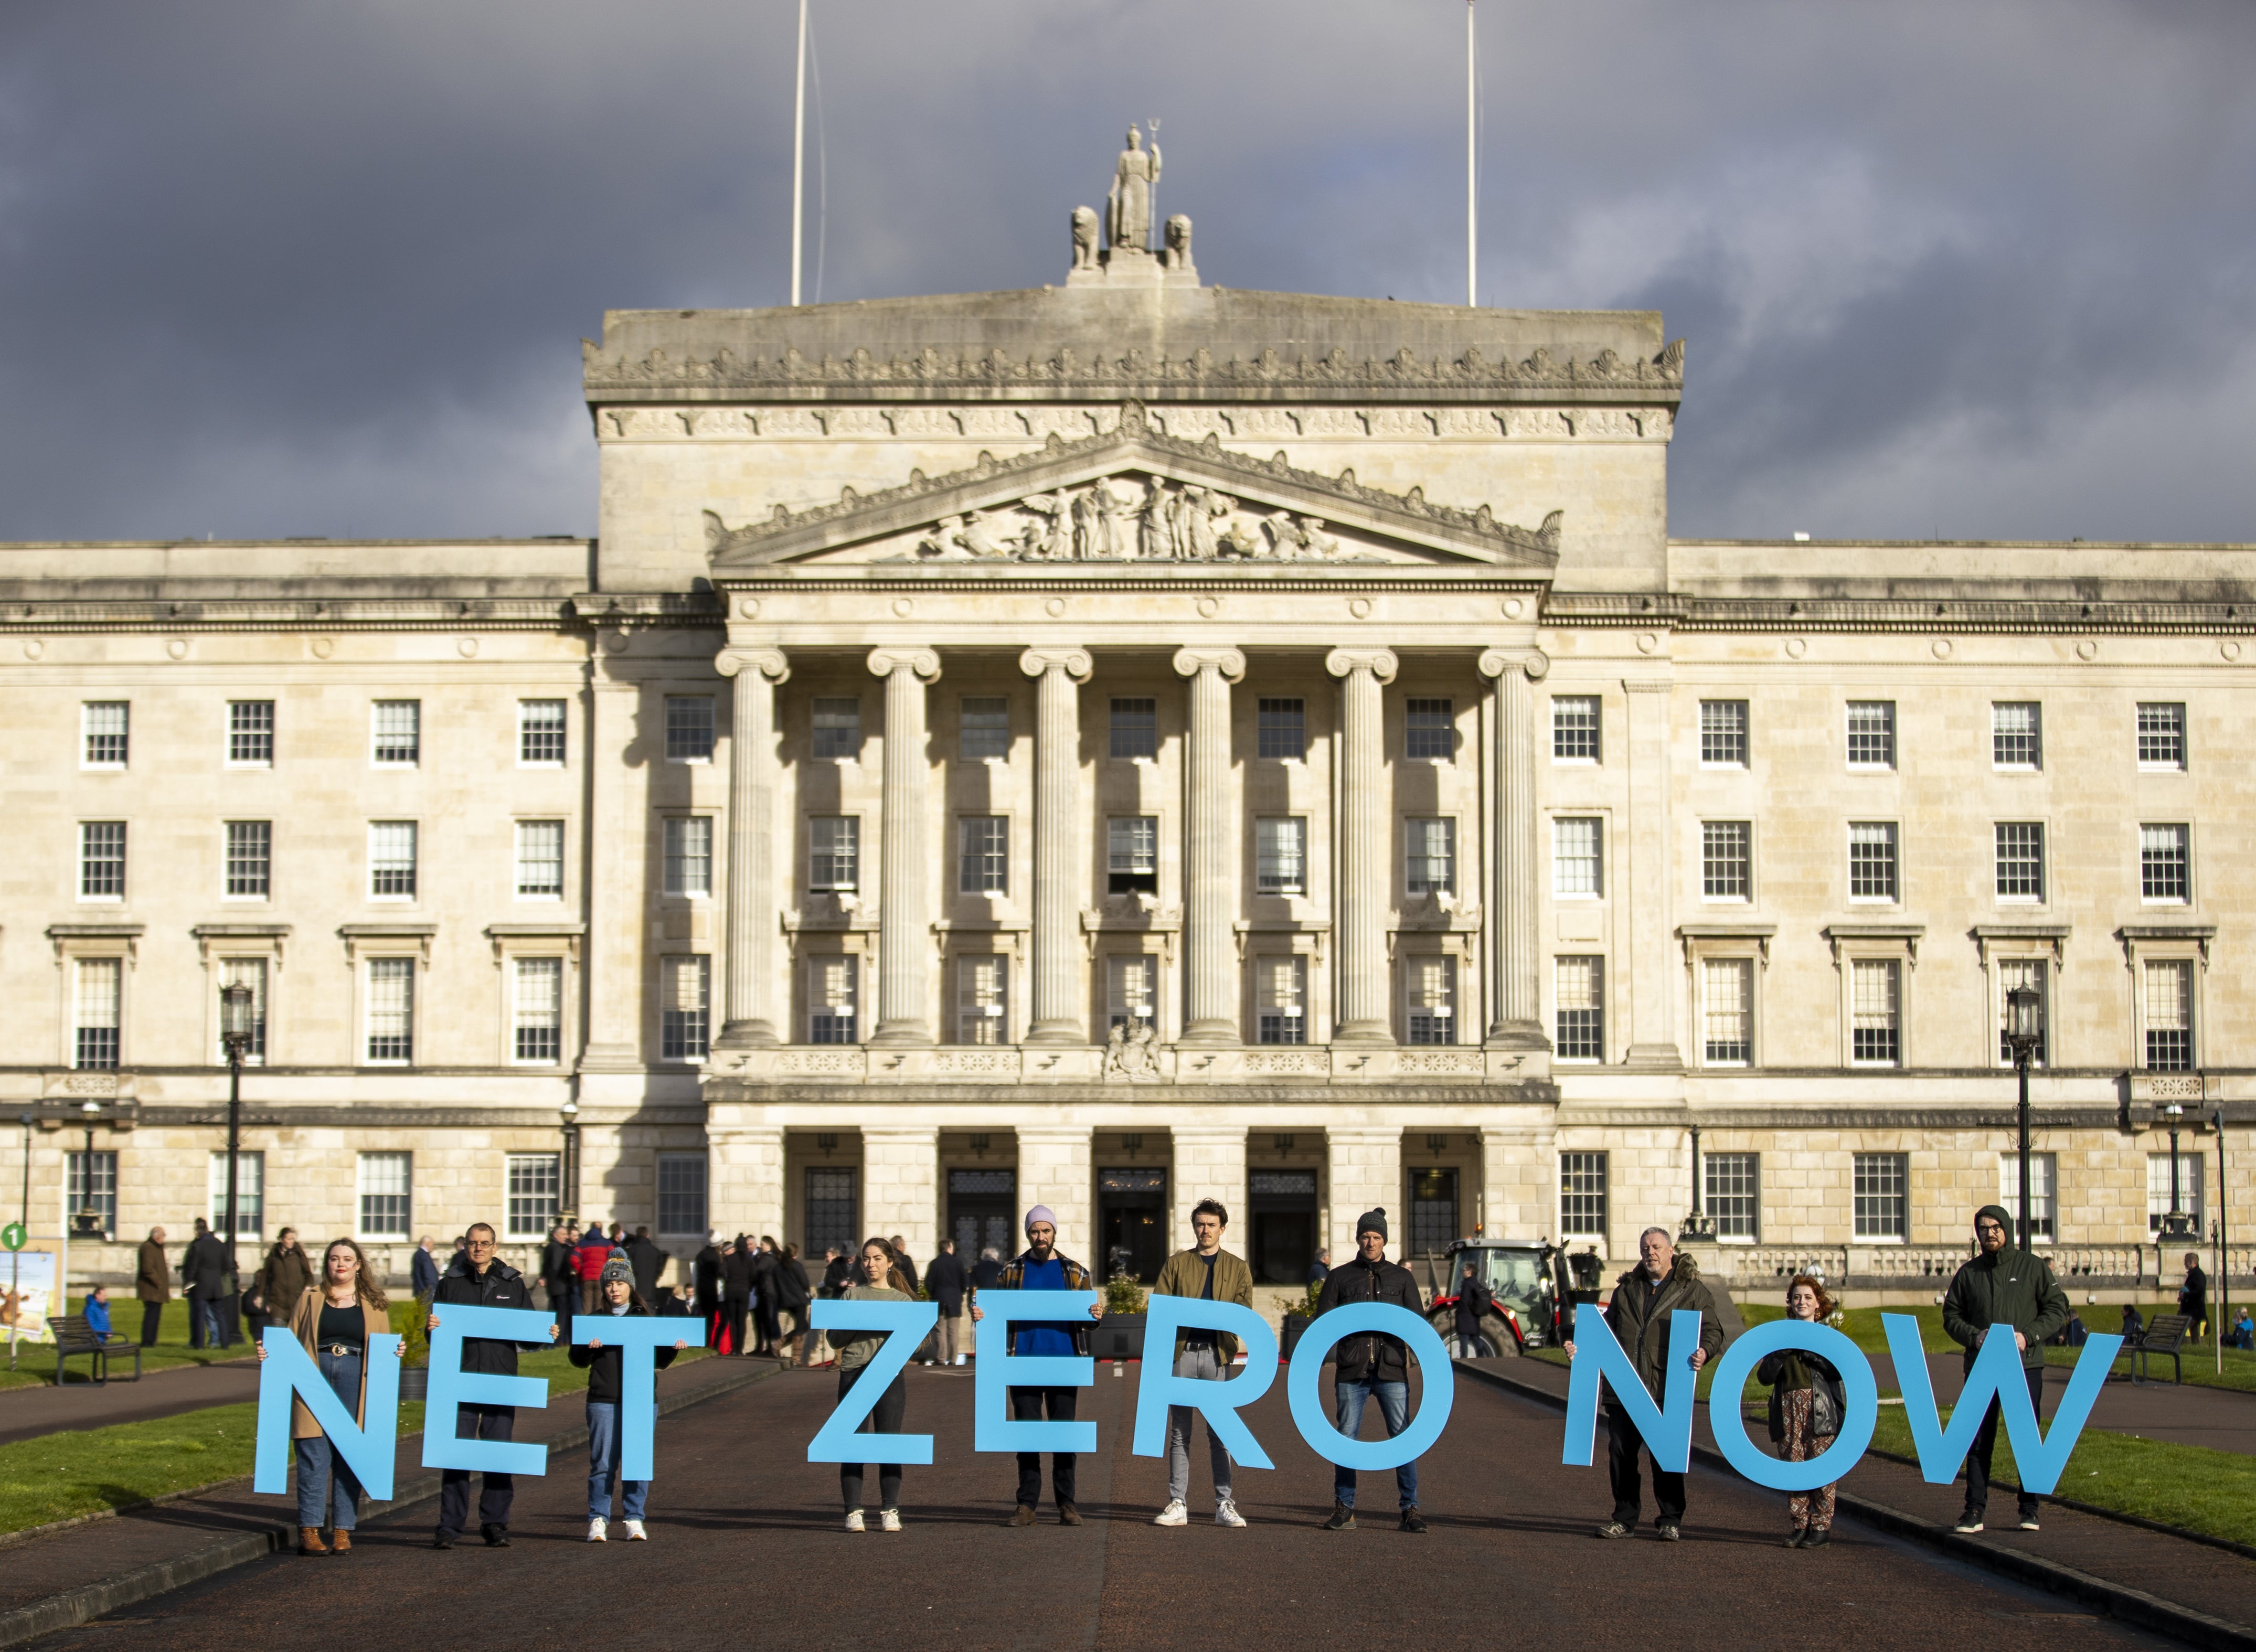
(1297, 1320)
(409, 1317)
(1120, 1335)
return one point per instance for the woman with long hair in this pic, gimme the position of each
(606, 1388)
(877, 1277)
(333, 1321)
(1806, 1404)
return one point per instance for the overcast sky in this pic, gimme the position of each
(1980, 269)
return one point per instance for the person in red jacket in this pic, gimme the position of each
(588, 1263)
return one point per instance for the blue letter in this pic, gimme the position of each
(637, 1337)
(368, 1453)
(1862, 1394)
(1218, 1402)
(1996, 1373)
(906, 1326)
(451, 1385)
(1668, 1432)
(1315, 1425)
(992, 1429)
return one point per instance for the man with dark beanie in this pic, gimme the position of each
(2003, 1286)
(1368, 1365)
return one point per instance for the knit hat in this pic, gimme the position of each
(1373, 1222)
(1997, 1214)
(1041, 1213)
(617, 1268)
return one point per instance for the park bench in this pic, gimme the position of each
(74, 1336)
(2165, 1334)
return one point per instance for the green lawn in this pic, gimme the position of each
(35, 1361)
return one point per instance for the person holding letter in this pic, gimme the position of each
(1370, 1365)
(1211, 1274)
(877, 1277)
(1042, 1268)
(333, 1321)
(477, 1279)
(2004, 1287)
(604, 1362)
(1807, 1404)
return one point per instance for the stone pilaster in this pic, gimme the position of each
(1055, 1168)
(1365, 838)
(900, 1186)
(1644, 855)
(616, 991)
(1060, 1008)
(1364, 1172)
(1519, 1196)
(1211, 1164)
(904, 924)
(751, 964)
(1212, 951)
(1515, 953)
(745, 1176)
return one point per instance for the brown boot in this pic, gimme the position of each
(309, 1541)
(341, 1542)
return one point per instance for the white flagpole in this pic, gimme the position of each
(1472, 186)
(798, 157)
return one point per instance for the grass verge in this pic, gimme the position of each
(35, 1361)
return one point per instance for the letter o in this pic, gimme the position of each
(1862, 1394)
(1315, 1424)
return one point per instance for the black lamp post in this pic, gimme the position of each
(2177, 1227)
(2223, 1242)
(235, 1007)
(1696, 1228)
(86, 1221)
(2023, 1030)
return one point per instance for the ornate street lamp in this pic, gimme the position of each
(2177, 1226)
(236, 1026)
(2023, 1029)
(86, 1221)
(568, 1183)
(1696, 1227)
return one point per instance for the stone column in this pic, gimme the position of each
(1516, 1003)
(1211, 1164)
(1210, 945)
(900, 1186)
(904, 925)
(1060, 1008)
(1365, 1173)
(1054, 1168)
(618, 822)
(1643, 857)
(756, 674)
(1520, 1162)
(1366, 836)
(744, 1174)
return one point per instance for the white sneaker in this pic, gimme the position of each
(1174, 1514)
(889, 1520)
(635, 1533)
(598, 1530)
(853, 1521)
(1225, 1513)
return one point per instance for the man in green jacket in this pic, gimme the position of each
(2003, 1286)
(1213, 1274)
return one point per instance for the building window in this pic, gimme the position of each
(681, 1195)
(1280, 998)
(1872, 734)
(1281, 729)
(1433, 1211)
(1580, 988)
(1135, 728)
(684, 1009)
(1430, 864)
(250, 859)
(1429, 988)
(1727, 1011)
(95, 1013)
(250, 1195)
(391, 860)
(983, 844)
(1723, 733)
(101, 860)
(831, 983)
(982, 1000)
(397, 733)
(251, 734)
(1871, 860)
(837, 728)
(687, 844)
(2169, 1015)
(2021, 860)
(2042, 1171)
(986, 730)
(2017, 735)
(386, 1191)
(1131, 988)
(537, 1015)
(2018, 972)
(390, 1011)
(1875, 1013)
(1132, 855)
(689, 727)
(102, 727)
(1280, 855)
(250, 973)
(832, 1217)
(2190, 1202)
(534, 1199)
(94, 1187)
(1880, 1196)
(1430, 732)
(1575, 728)
(834, 852)
(1726, 855)
(2162, 735)
(1575, 842)
(541, 860)
(1582, 1195)
(2164, 864)
(1731, 1190)
(540, 734)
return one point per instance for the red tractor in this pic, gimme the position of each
(1531, 1286)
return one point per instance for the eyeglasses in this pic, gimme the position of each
(482, 1245)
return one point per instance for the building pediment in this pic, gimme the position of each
(1133, 494)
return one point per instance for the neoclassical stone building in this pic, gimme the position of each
(1111, 744)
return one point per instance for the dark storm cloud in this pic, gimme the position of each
(320, 268)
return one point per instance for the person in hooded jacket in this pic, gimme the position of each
(1807, 1404)
(738, 1273)
(1473, 1300)
(2003, 1286)
(588, 1259)
(478, 1278)
(792, 1295)
(1368, 1366)
(605, 1363)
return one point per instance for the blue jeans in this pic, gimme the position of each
(1394, 1410)
(603, 1446)
(323, 1478)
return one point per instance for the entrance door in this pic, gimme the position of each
(1284, 1211)
(1432, 1212)
(1131, 1224)
(980, 1206)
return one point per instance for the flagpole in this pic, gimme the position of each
(798, 157)
(1472, 186)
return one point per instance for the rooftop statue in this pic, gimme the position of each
(1134, 176)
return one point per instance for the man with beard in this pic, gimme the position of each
(1042, 1268)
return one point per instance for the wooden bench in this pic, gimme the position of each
(74, 1336)
(2165, 1334)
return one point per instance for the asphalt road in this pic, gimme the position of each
(747, 1548)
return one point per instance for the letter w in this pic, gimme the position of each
(1996, 1375)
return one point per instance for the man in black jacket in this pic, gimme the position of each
(2003, 1286)
(944, 1282)
(478, 1279)
(736, 1277)
(558, 1278)
(765, 1260)
(204, 1282)
(1368, 1365)
(647, 1261)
